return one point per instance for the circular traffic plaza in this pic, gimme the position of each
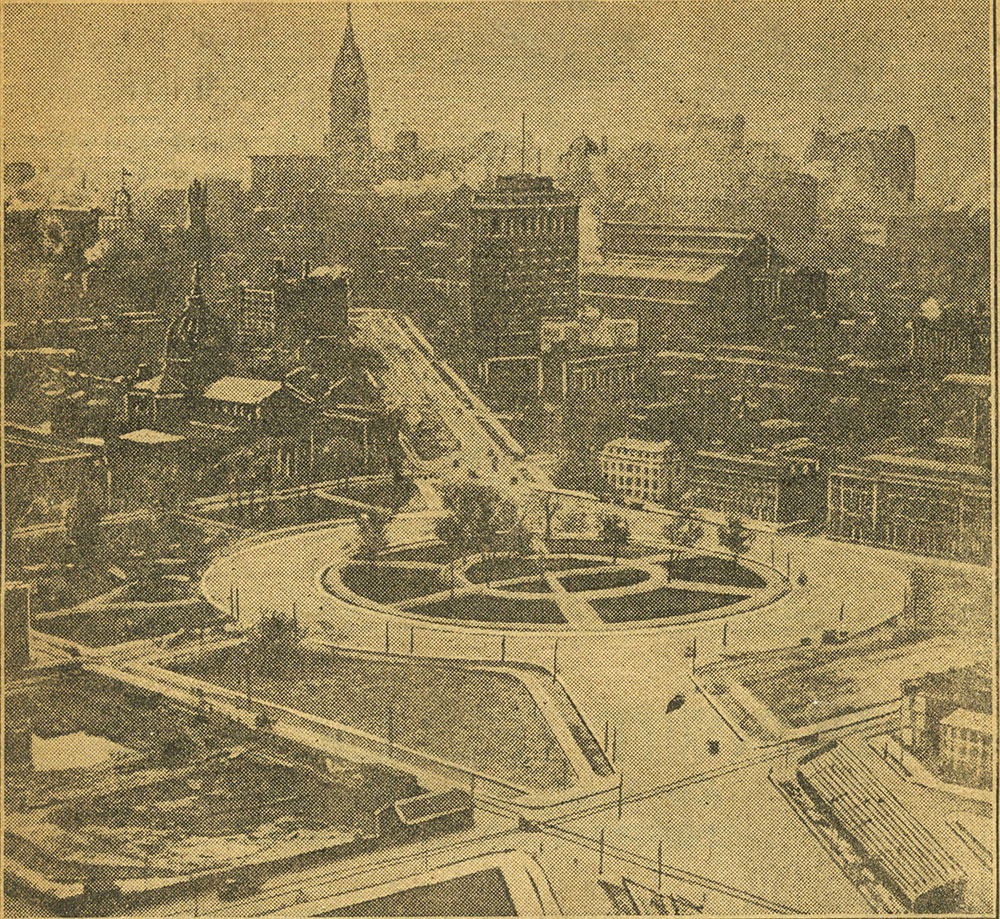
(562, 584)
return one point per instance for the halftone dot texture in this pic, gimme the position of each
(681, 672)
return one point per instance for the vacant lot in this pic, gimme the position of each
(114, 625)
(165, 792)
(806, 685)
(489, 608)
(391, 583)
(661, 603)
(474, 717)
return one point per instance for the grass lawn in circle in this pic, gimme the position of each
(489, 608)
(391, 583)
(661, 603)
(712, 569)
(603, 580)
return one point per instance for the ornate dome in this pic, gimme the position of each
(186, 335)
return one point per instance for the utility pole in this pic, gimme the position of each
(555, 659)
(411, 639)
(600, 861)
(659, 867)
(523, 138)
(503, 648)
(387, 638)
(841, 611)
(619, 797)
(788, 566)
(725, 632)
(606, 727)
(614, 744)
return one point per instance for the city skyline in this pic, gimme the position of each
(203, 85)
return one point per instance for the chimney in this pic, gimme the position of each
(306, 268)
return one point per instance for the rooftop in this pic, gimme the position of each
(669, 268)
(153, 384)
(643, 446)
(873, 816)
(149, 436)
(969, 379)
(919, 464)
(245, 390)
(966, 718)
(422, 808)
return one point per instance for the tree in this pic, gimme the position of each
(338, 458)
(482, 515)
(547, 506)
(614, 533)
(519, 538)
(735, 538)
(372, 531)
(83, 520)
(450, 532)
(579, 471)
(684, 530)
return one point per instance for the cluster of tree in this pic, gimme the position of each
(480, 520)
(615, 534)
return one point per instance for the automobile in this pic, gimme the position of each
(675, 703)
(455, 464)
(238, 885)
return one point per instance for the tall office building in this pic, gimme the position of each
(524, 261)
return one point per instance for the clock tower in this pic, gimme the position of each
(349, 143)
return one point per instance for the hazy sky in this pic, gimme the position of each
(197, 86)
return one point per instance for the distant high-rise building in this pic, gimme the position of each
(868, 167)
(349, 143)
(524, 261)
